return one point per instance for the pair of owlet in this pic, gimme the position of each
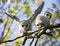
(41, 21)
(26, 25)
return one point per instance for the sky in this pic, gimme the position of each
(15, 28)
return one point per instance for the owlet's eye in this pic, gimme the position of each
(47, 15)
(37, 24)
(26, 25)
(50, 16)
(22, 25)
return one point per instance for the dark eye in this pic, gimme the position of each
(22, 25)
(50, 16)
(26, 25)
(47, 15)
(37, 24)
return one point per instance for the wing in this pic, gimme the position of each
(37, 11)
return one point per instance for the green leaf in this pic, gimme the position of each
(54, 5)
(26, 6)
(4, 1)
(15, 7)
(42, 36)
(18, 42)
(58, 14)
(13, 11)
(16, 0)
(28, 13)
(48, 9)
(53, 43)
(54, 17)
(1, 21)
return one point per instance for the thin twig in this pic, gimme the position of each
(33, 38)
(17, 38)
(36, 41)
(24, 40)
(12, 16)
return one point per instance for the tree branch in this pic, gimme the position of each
(33, 38)
(24, 40)
(18, 37)
(41, 32)
(12, 16)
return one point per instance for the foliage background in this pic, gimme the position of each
(23, 9)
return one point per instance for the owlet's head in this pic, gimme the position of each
(48, 15)
(25, 25)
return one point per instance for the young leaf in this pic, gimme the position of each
(16, 1)
(26, 6)
(28, 13)
(15, 7)
(47, 9)
(13, 11)
(1, 21)
(18, 42)
(54, 5)
(4, 1)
